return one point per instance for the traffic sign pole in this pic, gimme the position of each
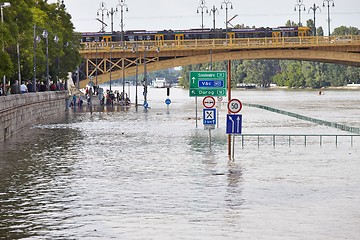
(196, 112)
(229, 98)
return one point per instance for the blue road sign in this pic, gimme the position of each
(167, 101)
(233, 124)
(211, 83)
(209, 116)
(146, 105)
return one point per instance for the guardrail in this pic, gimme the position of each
(310, 119)
(288, 139)
(235, 43)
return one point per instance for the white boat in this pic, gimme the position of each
(160, 83)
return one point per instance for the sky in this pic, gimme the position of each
(182, 14)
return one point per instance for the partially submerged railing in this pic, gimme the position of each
(305, 118)
(295, 139)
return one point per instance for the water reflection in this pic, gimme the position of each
(34, 179)
(125, 174)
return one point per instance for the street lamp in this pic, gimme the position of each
(213, 11)
(45, 35)
(145, 79)
(136, 49)
(111, 13)
(111, 47)
(96, 63)
(36, 41)
(314, 8)
(58, 70)
(122, 5)
(202, 7)
(102, 9)
(123, 73)
(299, 4)
(328, 6)
(2, 6)
(226, 3)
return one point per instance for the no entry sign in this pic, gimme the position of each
(209, 102)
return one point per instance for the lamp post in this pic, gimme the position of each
(145, 78)
(314, 8)
(102, 9)
(111, 46)
(202, 7)
(299, 4)
(65, 83)
(45, 35)
(2, 6)
(123, 74)
(328, 8)
(136, 49)
(213, 11)
(122, 5)
(96, 63)
(226, 3)
(111, 13)
(36, 41)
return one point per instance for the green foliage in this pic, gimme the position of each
(19, 22)
(6, 66)
(346, 31)
(320, 31)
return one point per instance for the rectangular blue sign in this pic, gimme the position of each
(209, 116)
(211, 84)
(234, 124)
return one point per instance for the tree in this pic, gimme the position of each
(311, 25)
(320, 31)
(19, 30)
(259, 72)
(290, 23)
(343, 30)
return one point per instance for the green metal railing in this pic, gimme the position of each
(309, 119)
(289, 139)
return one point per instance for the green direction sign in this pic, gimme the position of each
(209, 83)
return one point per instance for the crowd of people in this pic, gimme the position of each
(107, 97)
(25, 87)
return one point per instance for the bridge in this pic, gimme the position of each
(116, 60)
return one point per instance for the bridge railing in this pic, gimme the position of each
(235, 43)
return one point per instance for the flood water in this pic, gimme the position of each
(125, 174)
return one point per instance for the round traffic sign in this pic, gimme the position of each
(234, 105)
(167, 101)
(209, 102)
(146, 105)
(220, 98)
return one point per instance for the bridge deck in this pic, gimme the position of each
(220, 44)
(115, 60)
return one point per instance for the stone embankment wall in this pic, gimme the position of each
(24, 110)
